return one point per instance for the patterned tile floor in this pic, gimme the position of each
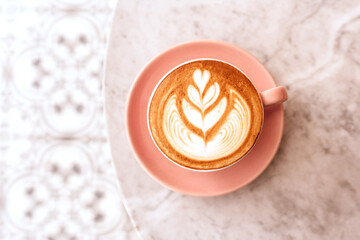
(56, 175)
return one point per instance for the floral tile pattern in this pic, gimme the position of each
(56, 176)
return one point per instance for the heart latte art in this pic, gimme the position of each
(205, 115)
(204, 111)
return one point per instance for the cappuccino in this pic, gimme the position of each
(205, 114)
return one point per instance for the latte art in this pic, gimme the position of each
(205, 114)
(232, 129)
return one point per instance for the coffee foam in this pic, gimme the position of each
(205, 114)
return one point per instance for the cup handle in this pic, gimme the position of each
(274, 96)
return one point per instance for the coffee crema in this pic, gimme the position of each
(205, 114)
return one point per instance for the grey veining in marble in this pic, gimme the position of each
(312, 188)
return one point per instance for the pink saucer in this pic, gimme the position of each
(187, 181)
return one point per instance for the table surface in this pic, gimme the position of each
(311, 189)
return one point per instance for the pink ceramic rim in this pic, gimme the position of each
(164, 183)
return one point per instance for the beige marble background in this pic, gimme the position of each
(311, 189)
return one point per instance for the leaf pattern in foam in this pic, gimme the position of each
(201, 79)
(212, 117)
(200, 119)
(211, 95)
(194, 96)
(192, 114)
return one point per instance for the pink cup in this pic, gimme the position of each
(273, 96)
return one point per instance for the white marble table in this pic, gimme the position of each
(312, 188)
